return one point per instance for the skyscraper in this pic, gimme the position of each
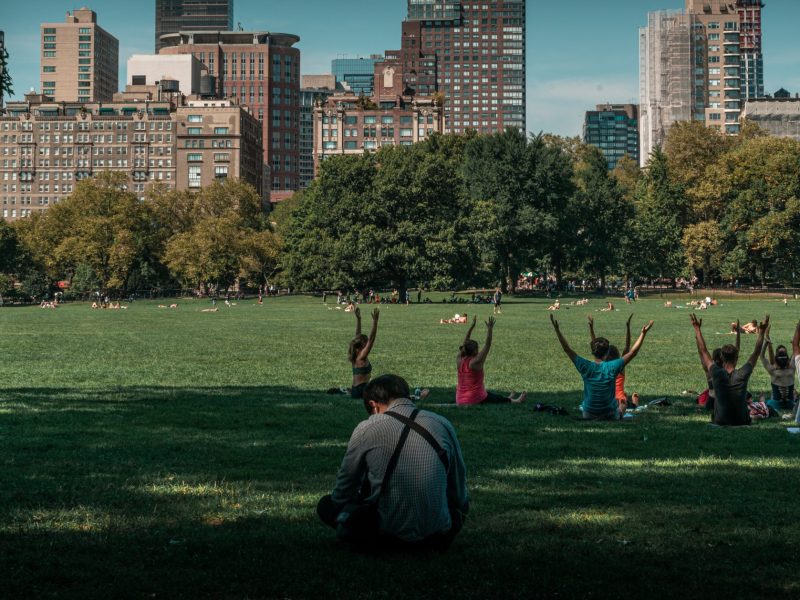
(614, 129)
(80, 60)
(750, 43)
(2, 60)
(173, 16)
(665, 77)
(262, 71)
(474, 50)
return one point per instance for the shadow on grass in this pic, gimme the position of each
(210, 492)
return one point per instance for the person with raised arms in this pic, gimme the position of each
(358, 354)
(599, 376)
(730, 383)
(469, 363)
(780, 367)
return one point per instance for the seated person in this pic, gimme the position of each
(668, 304)
(555, 306)
(751, 327)
(781, 373)
(729, 383)
(428, 501)
(599, 376)
(609, 307)
(456, 320)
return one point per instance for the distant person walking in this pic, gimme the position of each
(358, 354)
(470, 361)
(497, 299)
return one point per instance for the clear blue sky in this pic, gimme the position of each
(580, 52)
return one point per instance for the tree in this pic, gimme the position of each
(395, 218)
(703, 246)
(661, 214)
(100, 225)
(603, 217)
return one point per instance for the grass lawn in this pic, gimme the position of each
(177, 454)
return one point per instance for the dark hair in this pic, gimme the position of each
(356, 346)
(386, 388)
(716, 356)
(600, 347)
(469, 348)
(782, 356)
(730, 354)
(613, 353)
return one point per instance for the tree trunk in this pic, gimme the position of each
(557, 270)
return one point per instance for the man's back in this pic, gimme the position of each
(730, 391)
(416, 503)
(598, 384)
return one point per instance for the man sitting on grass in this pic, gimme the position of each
(730, 383)
(599, 377)
(422, 501)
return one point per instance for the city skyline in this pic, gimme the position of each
(565, 77)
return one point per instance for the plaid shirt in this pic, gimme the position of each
(416, 503)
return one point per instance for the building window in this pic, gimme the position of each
(194, 177)
(194, 157)
(220, 172)
(220, 131)
(194, 130)
(195, 119)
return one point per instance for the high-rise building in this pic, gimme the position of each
(358, 74)
(315, 89)
(80, 60)
(665, 77)
(262, 71)
(173, 16)
(53, 145)
(614, 129)
(474, 50)
(750, 43)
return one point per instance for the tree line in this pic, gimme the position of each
(446, 213)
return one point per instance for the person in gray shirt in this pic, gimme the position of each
(426, 501)
(730, 383)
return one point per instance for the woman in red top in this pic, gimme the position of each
(470, 361)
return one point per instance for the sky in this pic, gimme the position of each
(579, 52)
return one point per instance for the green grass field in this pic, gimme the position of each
(177, 454)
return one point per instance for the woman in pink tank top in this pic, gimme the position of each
(470, 360)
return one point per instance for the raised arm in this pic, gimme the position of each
(627, 336)
(469, 331)
(762, 329)
(477, 362)
(768, 363)
(738, 335)
(702, 350)
(592, 336)
(630, 355)
(365, 351)
(796, 341)
(564, 344)
(357, 313)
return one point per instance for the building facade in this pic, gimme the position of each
(2, 55)
(478, 50)
(46, 147)
(357, 74)
(173, 16)
(780, 117)
(79, 59)
(262, 71)
(725, 66)
(614, 129)
(150, 69)
(665, 77)
(315, 89)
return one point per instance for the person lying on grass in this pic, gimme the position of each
(729, 383)
(415, 479)
(599, 376)
(469, 364)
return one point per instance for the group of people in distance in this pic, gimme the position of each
(727, 396)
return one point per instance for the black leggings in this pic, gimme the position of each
(492, 398)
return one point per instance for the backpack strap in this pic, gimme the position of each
(410, 422)
(396, 454)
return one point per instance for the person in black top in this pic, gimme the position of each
(730, 383)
